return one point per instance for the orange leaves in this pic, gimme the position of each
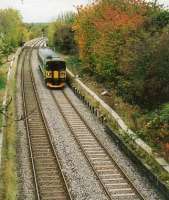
(115, 19)
(102, 27)
(167, 147)
(166, 150)
(116, 14)
(106, 16)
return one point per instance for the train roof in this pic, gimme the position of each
(47, 53)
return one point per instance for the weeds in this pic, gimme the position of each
(8, 181)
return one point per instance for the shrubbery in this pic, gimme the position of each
(157, 127)
(12, 31)
(126, 42)
(61, 34)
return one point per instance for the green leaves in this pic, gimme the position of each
(161, 19)
(61, 34)
(10, 30)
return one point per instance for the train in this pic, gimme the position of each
(53, 68)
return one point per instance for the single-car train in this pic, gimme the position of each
(53, 68)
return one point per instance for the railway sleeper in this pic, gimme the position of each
(55, 198)
(45, 181)
(39, 132)
(46, 194)
(42, 155)
(44, 168)
(37, 146)
(35, 142)
(105, 167)
(50, 175)
(101, 158)
(48, 161)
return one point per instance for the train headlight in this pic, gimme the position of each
(48, 74)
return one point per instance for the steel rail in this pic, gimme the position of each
(106, 150)
(27, 130)
(67, 122)
(123, 174)
(49, 135)
(33, 162)
(26, 122)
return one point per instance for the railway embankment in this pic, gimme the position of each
(153, 165)
(7, 132)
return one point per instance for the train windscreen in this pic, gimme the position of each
(56, 65)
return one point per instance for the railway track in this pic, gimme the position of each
(114, 181)
(38, 42)
(48, 177)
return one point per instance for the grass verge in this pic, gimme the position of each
(3, 73)
(8, 170)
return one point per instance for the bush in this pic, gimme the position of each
(158, 124)
(116, 47)
(12, 31)
(61, 34)
(2, 83)
(64, 40)
(157, 77)
(161, 19)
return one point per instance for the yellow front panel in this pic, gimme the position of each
(62, 74)
(55, 74)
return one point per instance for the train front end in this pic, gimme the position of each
(55, 73)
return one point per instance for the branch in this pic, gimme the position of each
(4, 109)
(3, 113)
(8, 104)
(22, 117)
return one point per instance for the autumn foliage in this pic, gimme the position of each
(102, 29)
(119, 42)
(124, 44)
(61, 34)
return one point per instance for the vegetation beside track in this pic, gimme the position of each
(12, 34)
(122, 46)
(142, 155)
(8, 182)
(3, 72)
(9, 177)
(12, 31)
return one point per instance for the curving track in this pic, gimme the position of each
(116, 184)
(48, 178)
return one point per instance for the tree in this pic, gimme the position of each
(61, 34)
(11, 29)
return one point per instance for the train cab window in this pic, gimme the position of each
(56, 65)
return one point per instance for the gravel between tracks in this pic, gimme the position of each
(81, 178)
(25, 178)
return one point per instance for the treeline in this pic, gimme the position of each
(61, 34)
(123, 43)
(12, 31)
(36, 29)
